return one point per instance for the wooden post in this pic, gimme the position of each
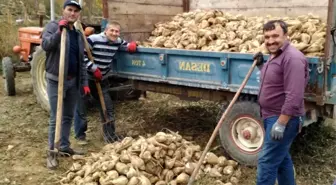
(105, 9)
(41, 13)
(186, 5)
(41, 20)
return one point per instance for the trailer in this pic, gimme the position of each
(194, 75)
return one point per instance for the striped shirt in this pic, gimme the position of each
(103, 51)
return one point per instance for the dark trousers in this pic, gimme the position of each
(70, 94)
(80, 123)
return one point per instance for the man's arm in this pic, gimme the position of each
(50, 37)
(294, 86)
(131, 46)
(90, 66)
(294, 72)
(121, 43)
(124, 43)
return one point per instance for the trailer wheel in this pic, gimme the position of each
(242, 132)
(8, 75)
(39, 78)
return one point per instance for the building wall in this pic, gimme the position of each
(137, 17)
(265, 7)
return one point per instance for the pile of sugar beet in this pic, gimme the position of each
(165, 158)
(216, 30)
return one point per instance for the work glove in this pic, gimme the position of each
(86, 90)
(132, 47)
(259, 57)
(62, 24)
(277, 131)
(97, 74)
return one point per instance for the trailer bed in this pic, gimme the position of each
(222, 71)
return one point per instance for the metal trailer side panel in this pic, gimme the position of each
(222, 71)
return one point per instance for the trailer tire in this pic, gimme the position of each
(242, 133)
(39, 79)
(9, 76)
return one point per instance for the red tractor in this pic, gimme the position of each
(30, 38)
(32, 58)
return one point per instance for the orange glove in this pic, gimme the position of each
(86, 90)
(131, 47)
(97, 74)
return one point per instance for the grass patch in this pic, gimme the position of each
(8, 38)
(314, 152)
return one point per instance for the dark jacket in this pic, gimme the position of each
(51, 43)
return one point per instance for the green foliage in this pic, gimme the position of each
(8, 38)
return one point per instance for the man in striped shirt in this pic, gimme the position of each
(103, 47)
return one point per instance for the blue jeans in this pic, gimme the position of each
(274, 160)
(80, 123)
(70, 96)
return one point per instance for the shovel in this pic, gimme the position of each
(60, 91)
(56, 150)
(78, 25)
(220, 122)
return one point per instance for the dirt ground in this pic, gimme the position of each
(23, 136)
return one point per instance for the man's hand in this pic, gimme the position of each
(86, 90)
(259, 57)
(97, 74)
(277, 131)
(62, 24)
(131, 47)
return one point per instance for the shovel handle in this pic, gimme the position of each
(60, 90)
(102, 101)
(219, 124)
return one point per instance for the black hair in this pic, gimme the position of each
(270, 25)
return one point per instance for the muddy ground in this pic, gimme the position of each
(23, 136)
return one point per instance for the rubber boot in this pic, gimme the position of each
(52, 162)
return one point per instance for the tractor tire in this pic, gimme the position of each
(9, 76)
(39, 78)
(242, 133)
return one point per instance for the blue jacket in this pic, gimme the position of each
(51, 44)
